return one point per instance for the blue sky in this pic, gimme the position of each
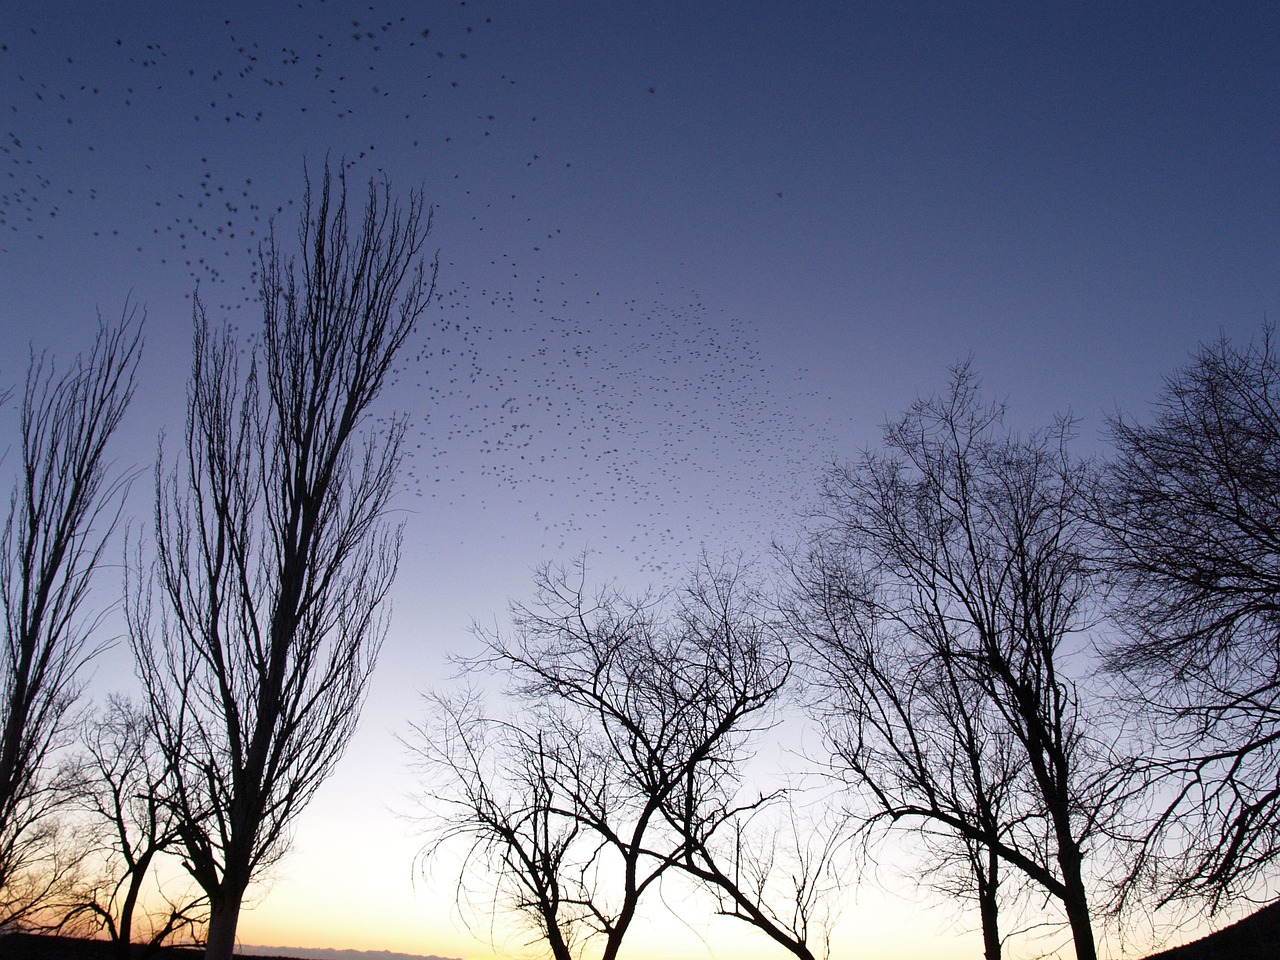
(690, 253)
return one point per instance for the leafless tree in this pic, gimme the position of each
(1193, 513)
(620, 763)
(119, 788)
(258, 632)
(941, 590)
(908, 721)
(64, 505)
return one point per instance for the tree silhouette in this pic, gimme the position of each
(118, 784)
(909, 723)
(942, 584)
(273, 552)
(621, 765)
(1193, 512)
(63, 508)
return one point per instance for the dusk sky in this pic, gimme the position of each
(689, 255)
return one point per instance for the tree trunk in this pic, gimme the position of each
(224, 916)
(990, 928)
(989, 905)
(137, 876)
(559, 948)
(1076, 902)
(1081, 927)
(124, 935)
(124, 946)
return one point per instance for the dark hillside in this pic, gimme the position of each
(1256, 937)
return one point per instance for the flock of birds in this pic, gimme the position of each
(642, 419)
(182, 120)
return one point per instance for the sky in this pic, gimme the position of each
(690, 254)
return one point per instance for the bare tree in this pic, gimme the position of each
(621, 764)
(1193, 513)
(273, 552)
(63, 508)
(946, 581)
(767, 861)
(908, 723)
(119, 783)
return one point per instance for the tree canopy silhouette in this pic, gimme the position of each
(63, 507)
(943, 581)
(1193, 512)
(261, 620)
(623, 765)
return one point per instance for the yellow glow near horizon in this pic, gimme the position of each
(383, 911)
(349, 883)
(376, 907)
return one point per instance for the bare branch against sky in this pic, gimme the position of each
(691, 255)
(273, 551)
(64, 505)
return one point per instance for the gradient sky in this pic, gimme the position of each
(690, 253)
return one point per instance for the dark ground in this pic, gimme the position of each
(1256, 937)
(28, 946)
